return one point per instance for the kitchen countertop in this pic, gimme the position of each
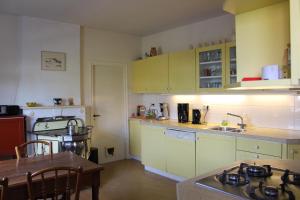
(188, 190)
(270, 134)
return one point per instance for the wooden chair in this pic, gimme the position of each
(53, 184)
(21, 150)
(3, 188)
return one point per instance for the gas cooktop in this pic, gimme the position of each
(259, 182)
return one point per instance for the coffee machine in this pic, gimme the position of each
(164, 110)
(183, 112)
(196, 116)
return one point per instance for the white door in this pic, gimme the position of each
(109, 103)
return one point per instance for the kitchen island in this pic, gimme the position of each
(189, 190)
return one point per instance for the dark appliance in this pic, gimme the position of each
(10, 110)
(196, 116)
(183, 112)
(251, 181)
(93, 155)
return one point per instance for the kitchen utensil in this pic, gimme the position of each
(141, 110)
(164, 110)
(31, 104)
(72, 128)
(57, 101)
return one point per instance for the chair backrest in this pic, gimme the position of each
(37, 145)
(3, 188)
(54, 182)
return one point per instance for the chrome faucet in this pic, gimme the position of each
(241, 125)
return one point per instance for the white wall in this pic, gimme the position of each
(9, 58)
(21, 79)
(107, 47)
(42, 86)
(181, 38)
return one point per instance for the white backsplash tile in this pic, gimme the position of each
(260, 110)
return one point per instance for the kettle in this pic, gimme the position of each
(72, 128)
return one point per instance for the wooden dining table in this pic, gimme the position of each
(15, 170)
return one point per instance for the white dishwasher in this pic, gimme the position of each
(181, 152)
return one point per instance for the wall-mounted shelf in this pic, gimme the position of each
(207, 77)
(49, 107)
(211, 62)
(264, 84)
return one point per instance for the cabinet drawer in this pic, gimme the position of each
(294, 151)
(259, 146)
(243, 155)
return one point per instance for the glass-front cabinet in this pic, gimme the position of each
(231, 75)
(210, 69)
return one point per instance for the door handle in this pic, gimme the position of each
(96, 115)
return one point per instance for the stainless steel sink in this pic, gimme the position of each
(226, 129)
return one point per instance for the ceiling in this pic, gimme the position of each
(138, 17)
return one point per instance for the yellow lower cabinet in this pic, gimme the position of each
(243, 155)
(180, 153)
(213, 151)
(294, 151)
(135, 138)
(153, 147)
(259, 146)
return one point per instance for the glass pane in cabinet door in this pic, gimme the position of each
(210, 66)
(233, 77)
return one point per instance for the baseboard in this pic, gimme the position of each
(165, 174)
(135, 158)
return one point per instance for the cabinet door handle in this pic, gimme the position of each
(293, 151)
(257, 156)
(257, 146)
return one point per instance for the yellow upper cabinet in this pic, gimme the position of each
(210, 68)
(261, 38)
(151, 75)
(295, 40)
(139, 76)
(241, 6)
(182, 72)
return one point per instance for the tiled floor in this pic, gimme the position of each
(127, 180)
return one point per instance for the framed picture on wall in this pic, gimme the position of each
(53, 61)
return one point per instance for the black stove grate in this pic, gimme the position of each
(267, 192)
